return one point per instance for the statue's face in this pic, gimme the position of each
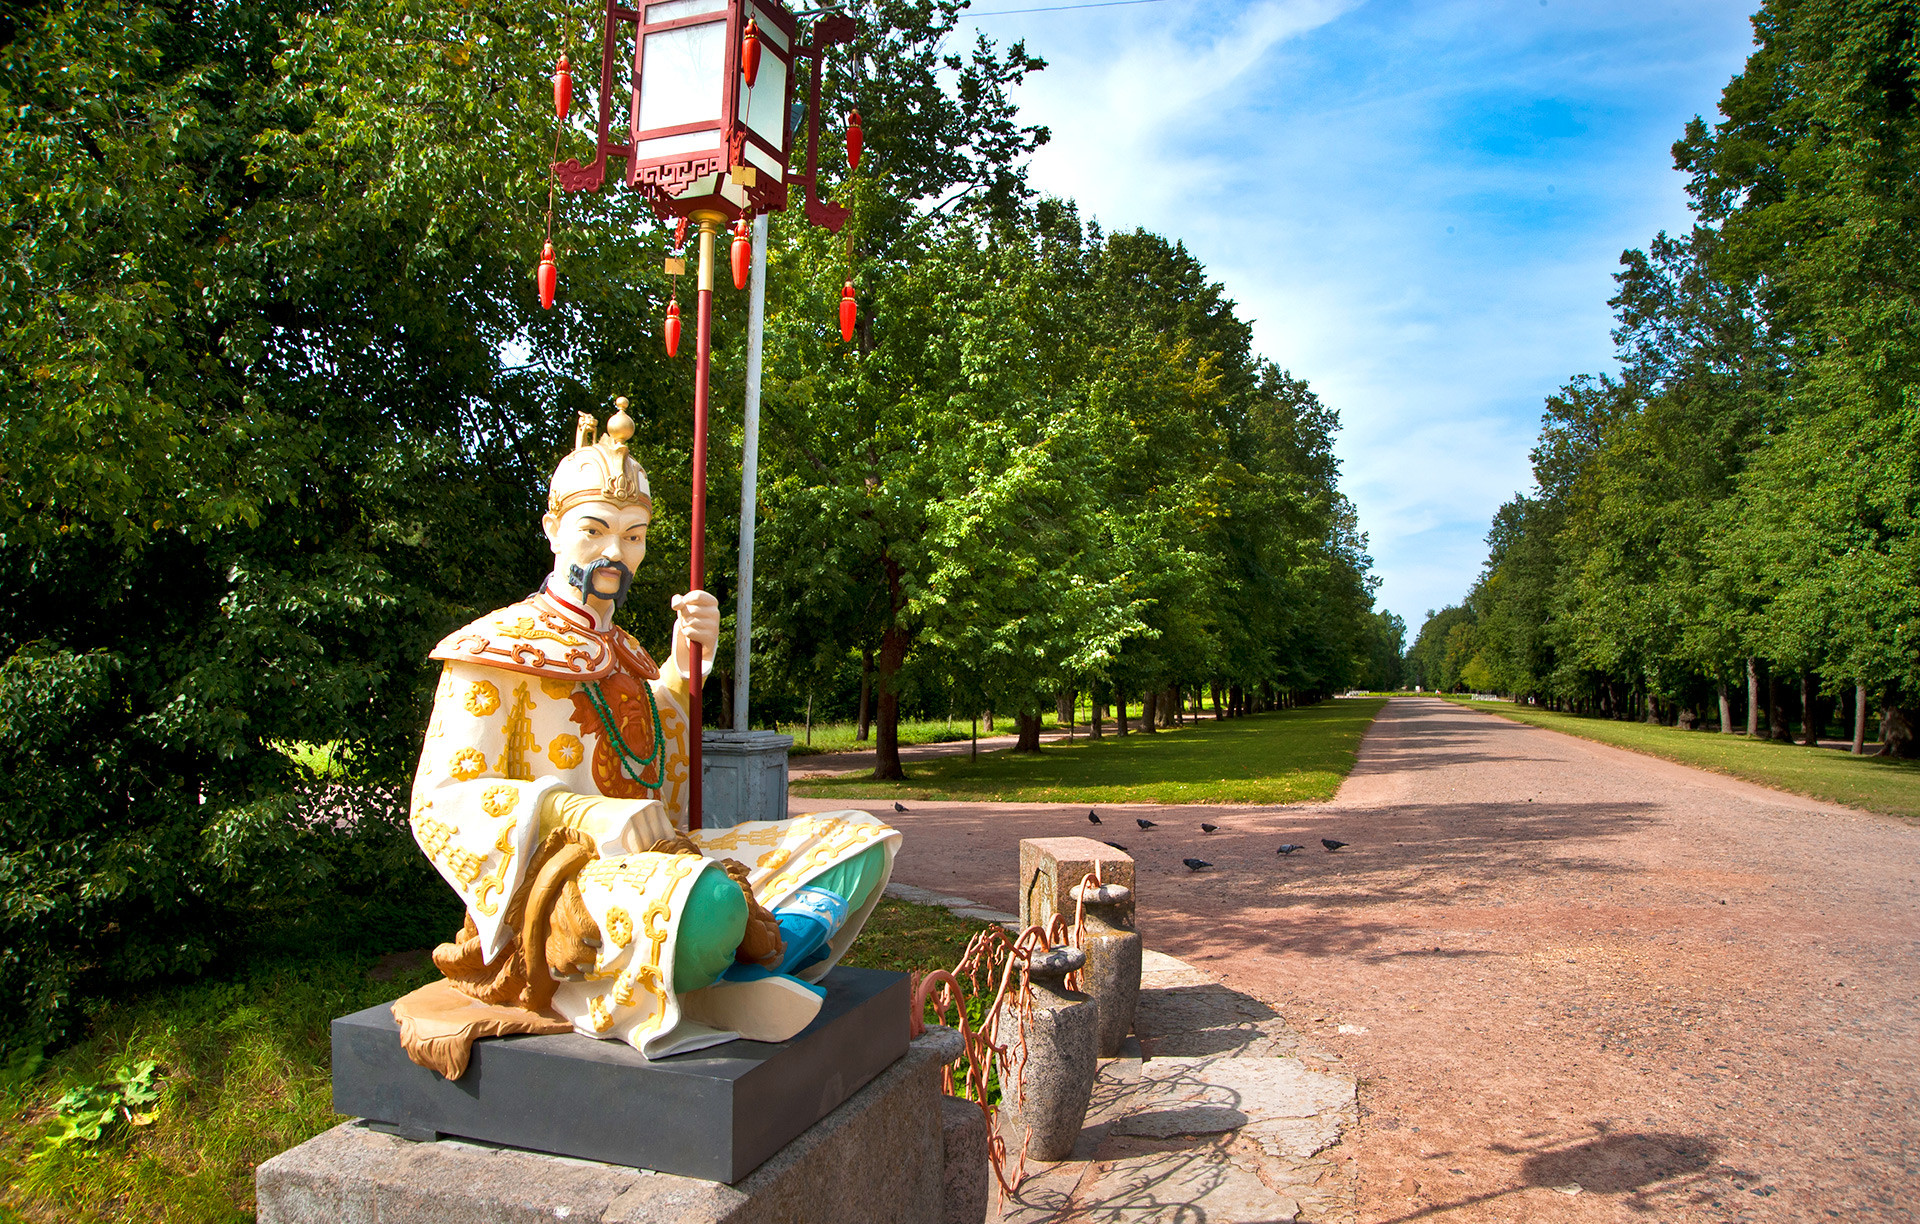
(597, 531)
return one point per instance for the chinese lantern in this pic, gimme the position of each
(742, 253)
(549, 277)
(750, 53)
(562, 88)
(673, 327)
(848, 312)
(855, 141)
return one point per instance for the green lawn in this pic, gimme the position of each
(1878, 784)
(1281, 757)
(839, 736)
(244, 1061)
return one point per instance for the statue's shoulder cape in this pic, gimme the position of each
(540, 636)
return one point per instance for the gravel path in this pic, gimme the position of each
(1576, 983)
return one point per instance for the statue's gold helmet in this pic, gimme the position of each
(600, 471)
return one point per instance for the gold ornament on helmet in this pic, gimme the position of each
(600, 471)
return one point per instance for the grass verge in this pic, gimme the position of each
(839, 736)
(1285, 756)
(245, 1066)
(1879, 784)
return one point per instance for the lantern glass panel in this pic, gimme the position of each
(685, 144)
(673, 10)
(765, 105)
(681, 75)
(771, 31)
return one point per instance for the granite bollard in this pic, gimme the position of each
(1112, 975)
(1047, 1081)
(1051, 866)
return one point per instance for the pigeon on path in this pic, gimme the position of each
(1331, 844)
(1116, 845)
(899, 807)
(1207, 828)
(1144, 823)
(1289, 848)
(1194, 864)
(1093, 817)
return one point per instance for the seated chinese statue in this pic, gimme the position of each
(551, 796)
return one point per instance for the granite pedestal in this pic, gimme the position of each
(713, 1114)
(880, 1158)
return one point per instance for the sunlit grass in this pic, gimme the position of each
(1878, 784)
(840, 737)
(1285, 756)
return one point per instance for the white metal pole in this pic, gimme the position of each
(749, 474)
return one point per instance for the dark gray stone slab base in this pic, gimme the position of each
(879, 1158)
(714, 1114)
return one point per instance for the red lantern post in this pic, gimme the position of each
(711, 90)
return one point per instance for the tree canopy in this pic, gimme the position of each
(1731, 520)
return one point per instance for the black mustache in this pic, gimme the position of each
(581, 577)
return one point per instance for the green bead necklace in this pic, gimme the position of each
(630, 761)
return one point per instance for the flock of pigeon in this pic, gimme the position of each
(1198, 864)
(1193, 864)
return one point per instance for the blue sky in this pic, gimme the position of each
(1420, 205)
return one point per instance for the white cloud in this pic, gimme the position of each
(1314, 154)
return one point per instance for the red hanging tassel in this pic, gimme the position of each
(562, 88)
(848, 312)
(855, 141)
(750, 53)
(673, 327)
(742, 253)
(549, 277)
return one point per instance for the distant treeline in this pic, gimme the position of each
(1726, 530)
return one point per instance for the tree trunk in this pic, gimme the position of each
(974, 753)
(1859, 720)
(1810, 720)
(1095, 708)
(986, 720)
(1149, 707)
(809, 719)
(1218, 714)
(1029, 725)
(893, 656)
(1896, 732)
(1753, 697)
(1726, 712)
(1063, 708)
(1652, 706)
(1779, 727)
(1170, 706)
(866, 696)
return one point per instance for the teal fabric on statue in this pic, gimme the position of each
(854, 879)
(716, 919)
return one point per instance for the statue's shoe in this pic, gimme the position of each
(756, 1003)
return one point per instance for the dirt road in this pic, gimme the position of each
(1577, 984)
